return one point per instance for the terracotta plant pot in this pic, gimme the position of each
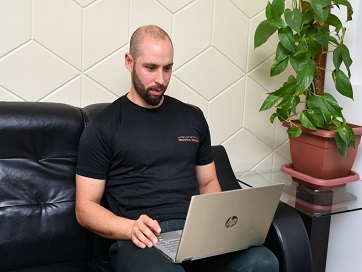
(315, 153)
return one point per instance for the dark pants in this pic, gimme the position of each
(127, 257)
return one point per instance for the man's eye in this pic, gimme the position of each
(151, 68)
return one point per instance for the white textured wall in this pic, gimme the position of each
(72, 51)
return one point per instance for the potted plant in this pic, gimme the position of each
(307, 31)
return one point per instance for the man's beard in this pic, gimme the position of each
(152, 100)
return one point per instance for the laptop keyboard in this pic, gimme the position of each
(170, 245)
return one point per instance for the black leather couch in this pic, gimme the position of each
(38, 229)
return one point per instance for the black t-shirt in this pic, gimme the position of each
(147, 156)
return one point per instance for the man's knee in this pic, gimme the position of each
(263, 260)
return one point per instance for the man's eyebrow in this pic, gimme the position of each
(154, 64)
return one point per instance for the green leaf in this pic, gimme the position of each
(301, 48)
(289, 102)
(333, 40)
(341, 145)
(282, 114)
(347, 135)
(272, 117)
(307, 16)
(318, 10)
(322, 36)
(269, 102)
(306, 120)
(306, 75)
(349, 8)
(280, 61)
(263, 33)
(313, 46)
(346, 58)
(286, 38)
(278, 67)
(316, 103)
(294, 132)
(333, 20)
(342, 83)
(298, 61)
(332, 104)
(278, 7)
(288, 88)
(337, 58)
(316, 117)
(293, 18)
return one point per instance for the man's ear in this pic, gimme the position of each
(128, 60)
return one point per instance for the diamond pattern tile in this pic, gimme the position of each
(60, 34)
(95, 93)
(245, 150)
(105, 30)
(150, 12)
(5, 95)
(14, 18)
(173, 5)
(250, 7)
(234, 47)
(69, 93)
(84, 3)
(111, 73)
(209, 80)
(40, 72)
(224, 123)
(258, 122)
(191, 38)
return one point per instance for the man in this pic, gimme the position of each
(149, 153)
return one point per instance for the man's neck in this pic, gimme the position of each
(134, 97)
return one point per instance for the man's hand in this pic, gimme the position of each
(144, 232)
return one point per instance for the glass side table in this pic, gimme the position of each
(314, 206)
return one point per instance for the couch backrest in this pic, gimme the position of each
(38, 153)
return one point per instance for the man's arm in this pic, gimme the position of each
(93, 216)
(207, 178)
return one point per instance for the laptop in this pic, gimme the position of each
(222, 222)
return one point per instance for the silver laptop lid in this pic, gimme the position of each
(228, 221)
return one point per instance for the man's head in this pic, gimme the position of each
(150, 62)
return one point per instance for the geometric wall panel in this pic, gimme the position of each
(250, 10)
(224, 123)
(149, 12)
(14, 19)
(38, 72)
(192, 31)
(59, 33)
(112, 73)
(105, 29)
(173, 5)
(233, 44)
(84, 3)
(69, 93)
(95, 93)
(211, 79)
(245, 150)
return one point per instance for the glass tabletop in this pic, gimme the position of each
(309, 201)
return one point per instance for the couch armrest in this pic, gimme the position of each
(288, 239)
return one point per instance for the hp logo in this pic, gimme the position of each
(231, 222)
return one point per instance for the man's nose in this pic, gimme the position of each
(160, 77)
